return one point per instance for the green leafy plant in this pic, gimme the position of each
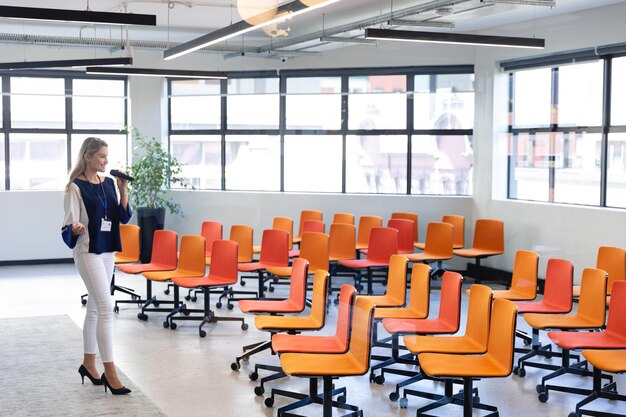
(154, 170)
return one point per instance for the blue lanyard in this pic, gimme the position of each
(104, 201)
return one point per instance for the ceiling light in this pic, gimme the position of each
(153, 72)
(66, 63)
(83, 16)
(292, 9)
(257, 11)
(426, 23)
(454, 38)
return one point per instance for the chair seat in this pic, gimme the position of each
(266, 306)
(513, 295)
(607, 360)
(282, 343)
(586, 340)
(441, 344)
(169, 275)
(448, 365)
(320, 364)
(404, 326)
(255, 266)
(361, 263)
(337, 259)
(476, 253)
(558, 321)
(425, 256)
(399, 313)
(139, 268)
(384, 301)
(422, 245)
(541, 307)
(283, 323)
(281, 271)
(208, 281)
(121, 259)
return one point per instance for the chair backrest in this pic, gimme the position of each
(244, 236)
(286, 224)
(408, 216)
(592, 301)
(366, 224)
(419, 294)
(319, 298)
(613, 261)
(616, 323)
(224, 262)
(406, 233)
(314, 248)
(439, 239)
(308, 215)
(479, 315)
(192, 255)
(342, 241)
(275, 248)
(458, 222)
(361, 334)
(211, 231)
(396, 281)
(489, 235)
(502, 334)
(383, 243)
(450, 304)
(130, 237)
(165, 248)
(313, 226)
(343, 218)
(525, 269)
(557, 290)
(297, 283)
(347, 297)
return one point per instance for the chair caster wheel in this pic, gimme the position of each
(573, 414)
(271, 289)
(527, 342)
(235, 366)
(142, 316)
(202, 333)
(242, 283)
(173, 326)
(116, 309)
(342, 399)
(194, 298)
(230, 306)
(218, 305)
(540, 389)
(543, 397)
(187, 297)
(186, 312)
(476, 399)
(394, 396)
(83, 301)
(269, 402)
(166, 324)
(404, 402)
(380, 379)
(166, 292)
(156, 303)
(521, 372)
(244, 326)
(259, 390)
(253, 377)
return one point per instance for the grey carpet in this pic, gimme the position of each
(39, 360)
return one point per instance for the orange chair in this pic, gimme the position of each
(438, 247)
(447, 322)
(274, 252)
(524, 280)
(408, 216)
(211, 231)
(316, 226)
(190, 264)
(458, 234)
(557, 299)
(244, 236)
(333, 365)
(602, 360)
(474, 341)
(383, 244)
(495, 363)
(347, 218)
(366, 224)
(164, 258)
(223, 273)
(613, 261)
(294, 303)
(280, 223)
(406, 234)
(342, 246)
(304, 216)
(613, 338)
(488, 241)
(396, 285)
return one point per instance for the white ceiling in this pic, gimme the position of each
(183, 20)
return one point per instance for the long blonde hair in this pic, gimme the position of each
(90, 146)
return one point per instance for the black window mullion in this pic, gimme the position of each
(512, 160)
(410, 125)
(223, 124)
(69, 91)
(345, 90)
(6, 125)
(606, 124)
(282, 126)
(554, 106)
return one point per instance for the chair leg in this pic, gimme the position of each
(248, 351)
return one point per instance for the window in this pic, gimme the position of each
(444, 101)
(253, 103)
(37, 103)
(376, 164)
(253, 163)
(2, 166)
(314, 103)
(201, 157)
(618, 93)
(616, 170)
(580, 94)
(313, 163)
(98, 104)
(377, 102)
(532, 98)
(195, 104)
(38, 161)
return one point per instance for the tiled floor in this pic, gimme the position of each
(188, 376)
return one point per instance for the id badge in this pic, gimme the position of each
(106, 225)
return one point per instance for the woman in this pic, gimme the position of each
(91, 228)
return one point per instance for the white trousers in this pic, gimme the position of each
(97, 272)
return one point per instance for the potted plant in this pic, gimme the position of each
(153, 170)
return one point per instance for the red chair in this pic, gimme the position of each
(304, 216)
(274, 252)
(383, 243)
(164, 258)
(406, 234)
(316, 226)
(408, 216)
(364, 230)
(211, 231)
(223, 273)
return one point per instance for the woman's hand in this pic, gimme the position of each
(121, 183)
(78, 228)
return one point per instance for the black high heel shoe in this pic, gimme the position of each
(85, 373)
(114, 391)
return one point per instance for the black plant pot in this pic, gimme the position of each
(149, 220)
